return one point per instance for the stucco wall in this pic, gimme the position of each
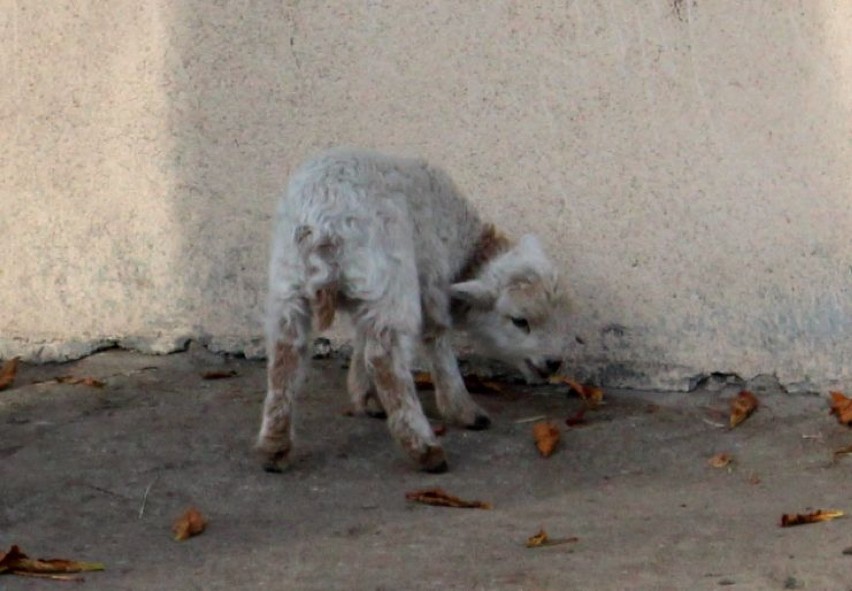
(688, 163)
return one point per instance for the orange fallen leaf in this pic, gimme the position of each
(546, 436)
(75, 381)
(842, 451)
(478, 385)
(191, 523)
(791, 519)
(578, 418)
(542, 539)
(537, 540)
(438, 497)
(7, 372)
(842, 407)
(472, 382)
(15, 562)
(222, 374)
(742, 406)
(423, 380)
(720, 460)
(590, 395)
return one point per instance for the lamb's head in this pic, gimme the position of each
(514, 310)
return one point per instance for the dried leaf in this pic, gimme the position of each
(720, 460)
(477, 385)
(791, 519)
(75, 381)
(423, 380)
(537, 540)
(542, 539)
(7, 372)
(191, 523)
(578, 418)
(842, 451)
(222, 374)
(842, 407)
(546, 435)
(590, 395)
(17, 563)
(742, 406)
(52, 577)
(472, 383)
(440, 498)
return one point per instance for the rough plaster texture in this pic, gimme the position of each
(689, 164)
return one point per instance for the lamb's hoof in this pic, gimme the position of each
(433, 461)
(273, 461)
(273, 466)
(480, 423)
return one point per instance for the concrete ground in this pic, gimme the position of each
(633, 485)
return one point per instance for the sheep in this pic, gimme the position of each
(392, 242)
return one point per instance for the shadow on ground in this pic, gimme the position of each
(633, 485)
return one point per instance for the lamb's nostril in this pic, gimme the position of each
(553, 365)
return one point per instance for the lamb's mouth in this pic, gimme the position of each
(536, 370)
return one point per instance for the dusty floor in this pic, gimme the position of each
(633, 485)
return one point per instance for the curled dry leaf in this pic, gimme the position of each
(842, 407)
(472, 382)
(438, 497)
(842, 451)
(220, 374)
(17, 563)
(75, 381)
(191, 523)
(423, 380)
(590, 395)
(720, 460)
(791, 519)
(537, 540)
(546, 436)
(742, 406)
(541, 539)
(578, 418)
(8, 372)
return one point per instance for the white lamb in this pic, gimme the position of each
(393, 243)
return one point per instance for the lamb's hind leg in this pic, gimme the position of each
(362, 392)
(454, 401)
(387, 356)
(287, 353)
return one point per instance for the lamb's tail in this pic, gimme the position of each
(320, 255)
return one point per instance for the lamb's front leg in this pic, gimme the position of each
(454, 401)
(387, 359)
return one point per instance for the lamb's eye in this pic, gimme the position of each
(521, 323)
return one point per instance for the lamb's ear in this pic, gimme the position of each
(474, 293)
(530, 243)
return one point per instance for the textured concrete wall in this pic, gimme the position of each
(688, 162)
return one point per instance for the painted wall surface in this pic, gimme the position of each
(687, 162)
